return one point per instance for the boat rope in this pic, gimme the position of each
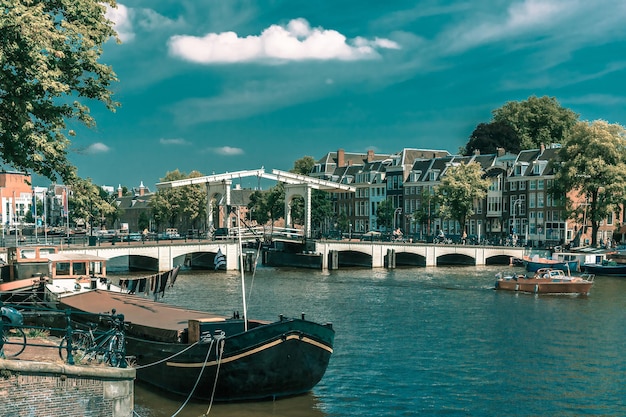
(208, 352)
(221, 344)
(256, 262)
(169, 357)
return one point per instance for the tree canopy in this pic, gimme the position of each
(180, 205)
(459, 189)
(90, 203)
(488, 137)
(537, 120)
(593, 165)
(519, 125)
(49, 53)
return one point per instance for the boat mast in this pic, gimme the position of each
(241, 268)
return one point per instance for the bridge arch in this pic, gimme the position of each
(410, 259)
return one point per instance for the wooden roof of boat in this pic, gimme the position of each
(136, 309)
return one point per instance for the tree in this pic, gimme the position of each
(461, 186)
(321, 210)
(537, 120)
(49, 52)
(193, 202)
(143, 222)
(427, 209)
(488, 137)
(384, 214)
(88, 202)
(303, 166)
(593, 167)
(179, 206)
(267, 206)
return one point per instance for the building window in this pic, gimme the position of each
(522, 185)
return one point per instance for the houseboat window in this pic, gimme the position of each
(80, 268)
(46, 251)
(28, 254)
(63, 268)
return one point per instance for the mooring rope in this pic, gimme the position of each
(217, 372)
(168, 358)
(208, 352)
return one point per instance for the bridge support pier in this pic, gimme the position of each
(333, 259)
(391, 259)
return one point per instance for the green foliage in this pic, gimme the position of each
(343, 223)
(178, 206)
(594, 167)
(461, 186)
(488, 137)
(537, 120)
(90, 203)
(384, 214)
(143, 222)
(303, 166)
(321, 210)
(268, 206)
(49, 52)
(428, 209)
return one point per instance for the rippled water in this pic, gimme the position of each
(430, 341)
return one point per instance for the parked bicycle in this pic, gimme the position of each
(13, 337)
(85, 346)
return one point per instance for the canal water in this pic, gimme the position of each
(428, 342)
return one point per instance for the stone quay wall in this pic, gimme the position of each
(53, 389)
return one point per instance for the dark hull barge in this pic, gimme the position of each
(177, 349)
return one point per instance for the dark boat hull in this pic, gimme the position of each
(274, 360)
(606, 270)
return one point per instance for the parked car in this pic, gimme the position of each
(170, 233)
(221, 233)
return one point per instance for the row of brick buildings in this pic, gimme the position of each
(517, 204)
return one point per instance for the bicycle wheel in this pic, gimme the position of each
(115, 352)
(14, 341)
(81, 344)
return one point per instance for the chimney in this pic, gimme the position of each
(341, 158)
(142, 189)
(119, 191)
(370, 155)
(542, 147)
(476, 151)
(500, 151)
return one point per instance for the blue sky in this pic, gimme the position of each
(226, 85)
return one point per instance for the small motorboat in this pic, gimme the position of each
(546, 281)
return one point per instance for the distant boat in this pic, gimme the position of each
(546, 281)
(535, 263)
(606, 268)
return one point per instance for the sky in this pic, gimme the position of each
(220, 86)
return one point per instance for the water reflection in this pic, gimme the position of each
(150, 402)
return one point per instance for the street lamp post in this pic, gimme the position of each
(515, 203)
(395, 214)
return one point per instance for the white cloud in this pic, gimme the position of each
(227, 151)
(173, 141)
(126, 20)
(121, 18)
(521, 17)
(294, 42)
(95, 148)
